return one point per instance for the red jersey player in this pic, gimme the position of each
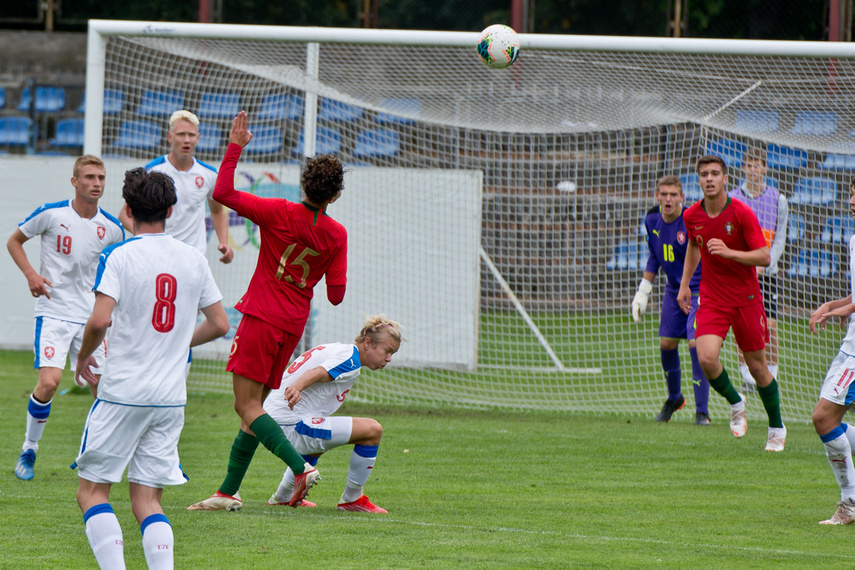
(300, 244)
(725, 235)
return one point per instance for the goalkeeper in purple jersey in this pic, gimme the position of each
(667, 241)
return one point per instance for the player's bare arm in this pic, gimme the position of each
(239, 133)
(756, 257)
(220, 219)
(684, 295)
(93, 335)
(293, 392)
(215, 325)
(37, 284)
(842, 308)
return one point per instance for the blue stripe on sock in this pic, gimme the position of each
(365, 450)
(833, 434)
(153, 519)
(97, 510)
(37, 409)
(310, 459)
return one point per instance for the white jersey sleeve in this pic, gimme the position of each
(70, 246)
(159, 284)
(321, 399)
(193, 188)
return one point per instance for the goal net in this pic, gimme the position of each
(497, 214)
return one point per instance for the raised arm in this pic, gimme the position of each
(239, 137)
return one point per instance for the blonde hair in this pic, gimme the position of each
(182, 115)
(87, 160)
(375, 326)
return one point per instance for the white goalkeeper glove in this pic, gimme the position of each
(639, 302)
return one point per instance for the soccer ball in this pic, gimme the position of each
(499, 46)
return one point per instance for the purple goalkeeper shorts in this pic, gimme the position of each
(674, 323)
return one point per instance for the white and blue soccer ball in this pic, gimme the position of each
(499, 46)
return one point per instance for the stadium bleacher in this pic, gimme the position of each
(48, 99)
(15, 131)
(327, 141)
(377, 143)
(69, 133)
(280, 106)
(160, 103)
(142, 135)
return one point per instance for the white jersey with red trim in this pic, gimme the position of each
(70, 246)
(192, 189)
(321, 399)
(159, 284)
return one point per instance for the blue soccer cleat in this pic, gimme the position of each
(24, 467)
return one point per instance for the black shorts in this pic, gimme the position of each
(769, 289)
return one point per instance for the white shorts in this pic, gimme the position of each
(57, 340)
(838, 386)
(142, 438)
(319, 435)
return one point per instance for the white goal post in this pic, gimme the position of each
(508, 202)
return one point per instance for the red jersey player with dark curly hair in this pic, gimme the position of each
(300, 244)
(725, 236)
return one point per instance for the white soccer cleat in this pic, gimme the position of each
(218, 502)
(776, 438)
(274, 503)
(845, 514)
(738, 423)
(302, 483)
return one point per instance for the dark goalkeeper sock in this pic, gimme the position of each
(270, 435)
(240, 457)
(723, 386)
(772, 402)
(673, 376)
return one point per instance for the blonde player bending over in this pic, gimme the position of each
(313, 388)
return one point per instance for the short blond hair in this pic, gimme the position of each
(87, 160)
(183, 115)
(376, 327)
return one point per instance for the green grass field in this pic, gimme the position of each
(479, 489)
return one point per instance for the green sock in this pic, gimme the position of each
(772, 403)
(270, 435)
(723, 386)
(239, 459)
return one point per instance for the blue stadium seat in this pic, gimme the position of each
(114, 102)
(796, 228)
(15, 131)
(628, 256)
(837, 229)
(815, 123)
(785, 158)
(210, 138)
(839, 162)
(813, 263)
(219, 105)
(2, 97)
(336, 111)
(729, 150)
(142, 135)
(48, 99)
(377, 143)
(160, 103)
(691, 188)
(815, 191)
(265, 140)
(327, 141)
(279, 106)
(399, 110)
(757, 122)
(69, 132)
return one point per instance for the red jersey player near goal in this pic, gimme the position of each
(725, 236)
(300, 244)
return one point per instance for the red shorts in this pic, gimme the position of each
(749, 323)
(261, 351)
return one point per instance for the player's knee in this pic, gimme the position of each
(372, 431)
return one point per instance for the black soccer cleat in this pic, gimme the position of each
(702, 419)
(669, 408)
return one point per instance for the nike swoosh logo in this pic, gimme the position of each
(699, 227)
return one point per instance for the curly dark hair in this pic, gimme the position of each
(148, 194)
(322, 179)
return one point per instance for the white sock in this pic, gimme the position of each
(740, 405)
(105, 536)
(37, 415)
(773, 370)
(746, 374)
(158, 542)
(286, 487)
(361, 463)
(850, 435)
(839, 454)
